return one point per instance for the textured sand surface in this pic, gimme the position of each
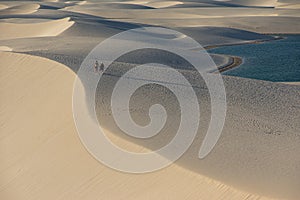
(42, 157)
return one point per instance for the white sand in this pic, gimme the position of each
(42, 157)
(2, 6)
(258, 19)
(292, 83)
(5, 48)
(22, 9)
(43, 29)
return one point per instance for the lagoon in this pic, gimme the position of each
(277, 61)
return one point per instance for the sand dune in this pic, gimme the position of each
(44, 29)
(163, 4)
(255, 3)
(128, 6)
(174, 13)
(42, 157)
(208, 36)
(286, 4)
(50, 0)
(295, 6)
(229, 3)
(2, 6)
(248, 129)
(20, 10)
(5, 48)
(254, 16)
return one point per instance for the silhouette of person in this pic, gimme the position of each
(101, 67)
(96, 67)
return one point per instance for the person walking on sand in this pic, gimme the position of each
(102, 67)
(96, 67)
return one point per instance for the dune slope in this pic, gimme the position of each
(42, 29)
(42, 157)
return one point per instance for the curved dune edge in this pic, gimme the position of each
(163, 4)
(42, 157)
(20, 10)
(288, 6)
(2, 6)
(43, 29)
(76, 2)
(50, 0)
(5, 48)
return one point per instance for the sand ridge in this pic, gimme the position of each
(5, 48)
(20, 10)
(43, 29)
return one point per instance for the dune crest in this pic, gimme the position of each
(20, 10)
(43, 29)
(2, 6)
(5, 48)
(163, 4)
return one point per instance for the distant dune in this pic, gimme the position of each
(20, 10)
(257, 16)
(43, 29)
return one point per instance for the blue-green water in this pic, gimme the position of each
(277, 61)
